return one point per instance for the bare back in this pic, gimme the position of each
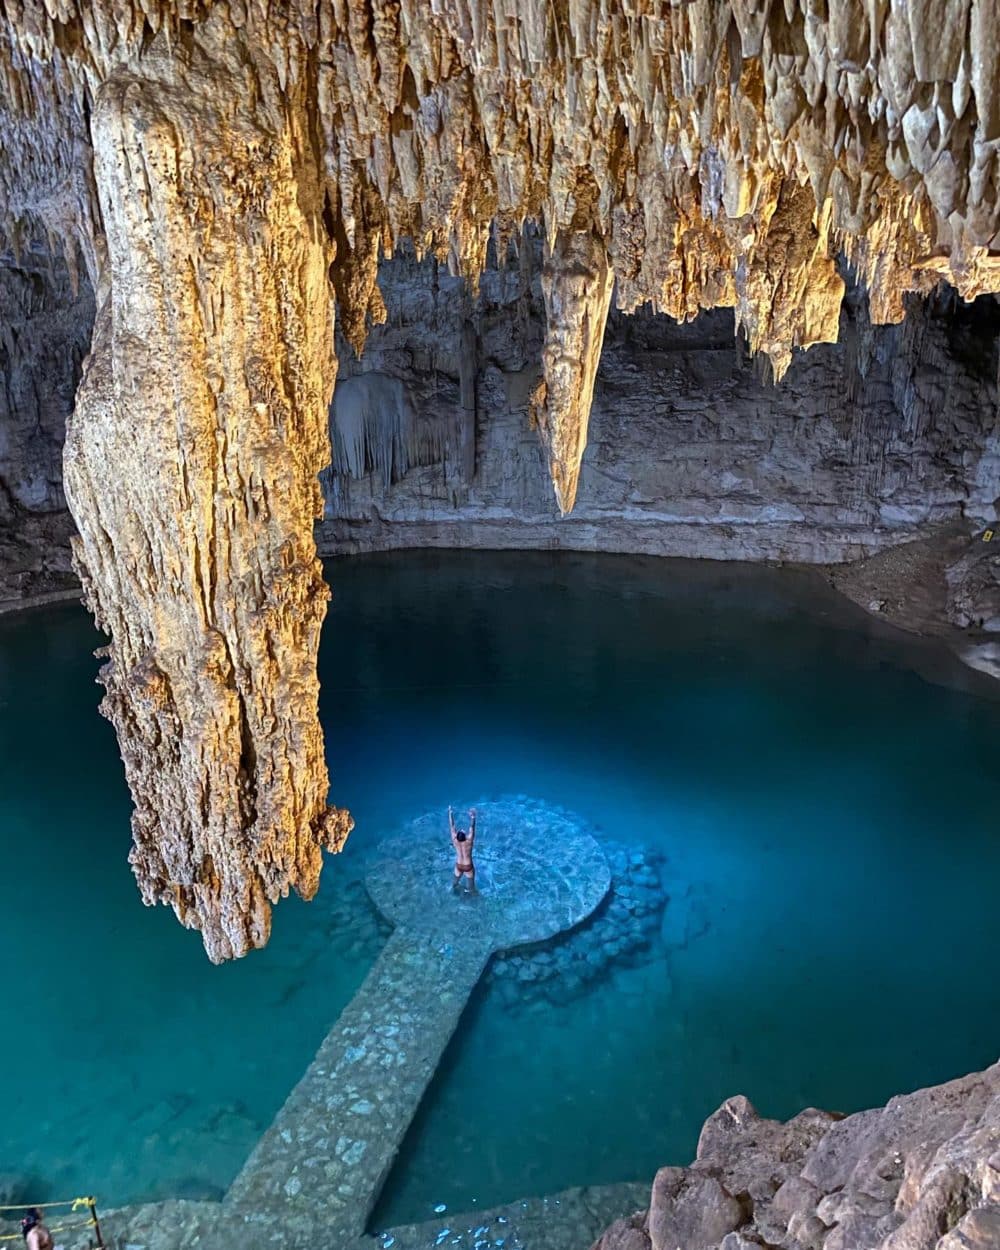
(39, 1238)
(463, 848)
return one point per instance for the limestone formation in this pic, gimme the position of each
(191, 467)
(921, 1173)
(217, 167)
(891, 433)
(44, 335)
(577, 282)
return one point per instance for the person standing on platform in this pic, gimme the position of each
(463, 841)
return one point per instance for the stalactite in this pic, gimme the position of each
(373, 428)
(216, 167)
(577, 282)
(191, 464)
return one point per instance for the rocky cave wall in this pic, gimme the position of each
(218, 168)
(45, 325)
(693, 449)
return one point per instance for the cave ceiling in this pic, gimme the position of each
(228, 175)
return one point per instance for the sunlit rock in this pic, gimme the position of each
(191, 468)
(218, 171)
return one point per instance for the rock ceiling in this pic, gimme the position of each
(225, 171)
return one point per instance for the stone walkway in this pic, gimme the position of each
(321, 1165)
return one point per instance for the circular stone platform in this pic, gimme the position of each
(538, 872)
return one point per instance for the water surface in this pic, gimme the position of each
(826, 810)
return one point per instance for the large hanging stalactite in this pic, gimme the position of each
(577, 282)
(191, 468)
(696, 155)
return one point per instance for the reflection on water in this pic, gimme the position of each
(825, 811)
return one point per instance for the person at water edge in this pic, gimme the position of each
(36, 1235)
(463, 841)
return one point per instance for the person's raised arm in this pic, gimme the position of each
(451, 823)
(472, 822)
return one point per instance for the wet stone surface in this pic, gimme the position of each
(323, 1162)
(570, 1220)
(625, 929)
(539, 872)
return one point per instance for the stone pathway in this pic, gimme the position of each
(570, 1220)
(321, 1165)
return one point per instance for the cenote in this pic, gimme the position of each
(818, 793)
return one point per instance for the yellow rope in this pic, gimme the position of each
(72, 1203)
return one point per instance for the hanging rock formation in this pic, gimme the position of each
(208, 162)
(204, 400)
(577, 283)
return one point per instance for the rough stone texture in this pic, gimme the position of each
(577, 282)
(563, 1221)
(191, 464)
(947, 584)
(974, 587)
(921, 1173)
(44, 335)
(690, 1209)
(213, 165)
(692, 451)
(322, 1163)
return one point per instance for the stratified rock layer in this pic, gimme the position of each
(205, 163)
(191, 465)
(890, 434)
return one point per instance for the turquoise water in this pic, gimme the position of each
(824, 792)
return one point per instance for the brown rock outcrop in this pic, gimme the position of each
(207, 161)
(921, 1173)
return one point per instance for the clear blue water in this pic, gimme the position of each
(824, 791)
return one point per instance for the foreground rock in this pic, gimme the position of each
(921, 1173)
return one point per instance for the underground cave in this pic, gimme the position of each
(576, 419)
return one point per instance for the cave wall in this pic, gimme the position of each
(46, 315)
(220, 169)
(693, 450)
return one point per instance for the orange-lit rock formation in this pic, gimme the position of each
(220, 168)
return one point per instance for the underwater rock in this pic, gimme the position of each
(16, 1188)
(617, 933)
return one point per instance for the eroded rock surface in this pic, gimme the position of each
(191, 464)
(921, 1173)
(44, 336)
(889, 434)
(216, 169)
